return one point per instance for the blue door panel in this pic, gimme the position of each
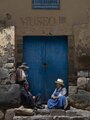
(33, 57)
(48, 60)
(57, 60)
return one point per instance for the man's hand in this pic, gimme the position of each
(34, 97)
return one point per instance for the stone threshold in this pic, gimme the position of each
(47, 114)
(40, 117)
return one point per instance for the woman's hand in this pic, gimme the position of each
(54, 97)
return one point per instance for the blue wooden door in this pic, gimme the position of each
(47, 58)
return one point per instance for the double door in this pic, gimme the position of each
(47, 57)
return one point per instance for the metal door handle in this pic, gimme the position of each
(45, 65)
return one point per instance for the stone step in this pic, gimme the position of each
(40, 117)
(46, 114)
(57, 112)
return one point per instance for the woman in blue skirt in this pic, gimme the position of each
(58, 98)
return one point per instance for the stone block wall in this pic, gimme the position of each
(82, 45)
(7, 55)
(9, 91)
(79, 95)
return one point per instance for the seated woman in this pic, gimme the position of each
(58, 98)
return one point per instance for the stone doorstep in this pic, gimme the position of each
(46, 114)
(53, 115)
(43, 112)
(53, 112)
(56, 112)
(40, 117)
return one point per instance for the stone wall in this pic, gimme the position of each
(79, 95)
(9, 96)
(7, 55)
(82, 45)
(9, 91)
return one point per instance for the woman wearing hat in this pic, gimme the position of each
(58, 98)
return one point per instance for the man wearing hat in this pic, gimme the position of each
(58, 98)
(28, 100)
(21, 75)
